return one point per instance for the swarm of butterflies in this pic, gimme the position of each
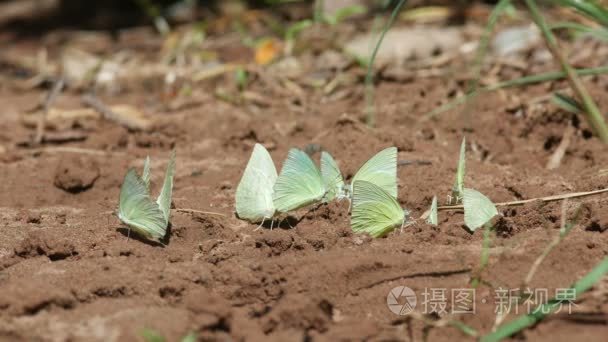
(263, 195)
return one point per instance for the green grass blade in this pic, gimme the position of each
(580, 29)
(590, 8)
(467, 330)
(527, 320)
(499, 9)
(592, 112)
(370, 113)
(485, 254)
(518, 82)
(191, 337)
(150, 335)
(566, 103)
(295, 29)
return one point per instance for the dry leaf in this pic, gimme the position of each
(130, 117)
(267, 51)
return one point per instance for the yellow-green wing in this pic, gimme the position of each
(332, 177)
(145, 176)
(381, 170)
(164, 199)
(137, 210)
(299, 184)
(478, 209)
(375, 211)
(254, 192)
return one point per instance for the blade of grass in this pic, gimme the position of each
(522, 81)
(594, 117)
(522, 322)
(482, 50)
(566, 103)
(590, 8)
(444, 321)
(370, 112)
(485, 254)
(565, 229)
(599, 33)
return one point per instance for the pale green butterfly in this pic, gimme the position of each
(432, 219)
(375, 211)
(299, 184)
(137, 209)
(332, 178)
(380, 170)
(478, 209)
(458, 188)
(254, 192)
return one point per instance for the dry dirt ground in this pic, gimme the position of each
(68, 272)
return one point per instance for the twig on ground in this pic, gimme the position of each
(48, 102)
(556, 158)
(522, 202)
(192, 211)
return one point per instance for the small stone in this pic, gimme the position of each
(76, 174)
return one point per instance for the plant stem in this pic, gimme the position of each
(522, 81)
(485, 254)
(482, 50)
(595, 118)
(370, 113)
(544, 310)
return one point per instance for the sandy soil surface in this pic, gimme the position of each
(67, 271)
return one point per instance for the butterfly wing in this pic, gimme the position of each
(332, 178)
(458, 188)
(381, 170)
(478, 209)
(138, 210)
(254, 192)
(164, 199)
(375, 211)
(145, 176)
(299, 184)
(432, 219)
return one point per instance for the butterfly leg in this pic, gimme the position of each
(128, 234)
(261, 224)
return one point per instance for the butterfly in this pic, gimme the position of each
(375, 211)
(254, 193)
(432, 219)
(381, 170)
(299, 184)
(478, 209)
(138, 210)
